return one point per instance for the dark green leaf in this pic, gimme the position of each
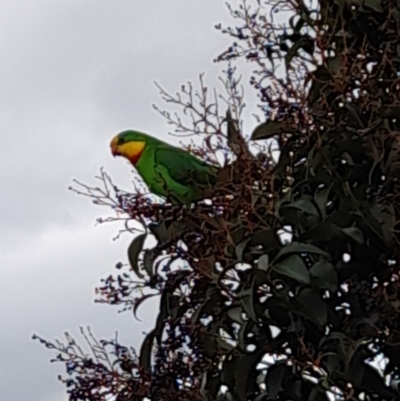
(324, 231)
(139, 301)
(374, 4)
(175, 230)
(235, 140)
(160, 232)
(293, 387)
(240, 248)
(335, 63)
(148, 261)
(347, 157)
(305, 43)
(238, 235)
(275, 375)
(134, 250)
(325, 275)
(165, 233)
(317, 394)
(239, 372)
(268, 239)
(207, 344)
(298, 247)
(247, 300)
(210, 385)
(242, 335)
(321, 199)
(303, 205)
(332, 362)
(293, 267)
(146, 351)
(319, 85)
(311, 305)
(355, 233)
(270, 129)
(236, 314)
(385, 216)
(263, 263)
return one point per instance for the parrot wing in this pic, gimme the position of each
(184, 168)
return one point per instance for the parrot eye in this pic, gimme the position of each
(121, 141)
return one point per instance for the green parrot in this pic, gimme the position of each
(166, 169)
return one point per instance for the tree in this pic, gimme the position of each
(244, 315)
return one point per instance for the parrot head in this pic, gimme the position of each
(129, 144)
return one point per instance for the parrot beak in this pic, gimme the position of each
(114, 147)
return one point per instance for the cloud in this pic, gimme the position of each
(73, 73)
(48, 289)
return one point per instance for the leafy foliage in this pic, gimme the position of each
(244, 315)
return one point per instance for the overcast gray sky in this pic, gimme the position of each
(72, 74)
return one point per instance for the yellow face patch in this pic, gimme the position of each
(131, 150)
